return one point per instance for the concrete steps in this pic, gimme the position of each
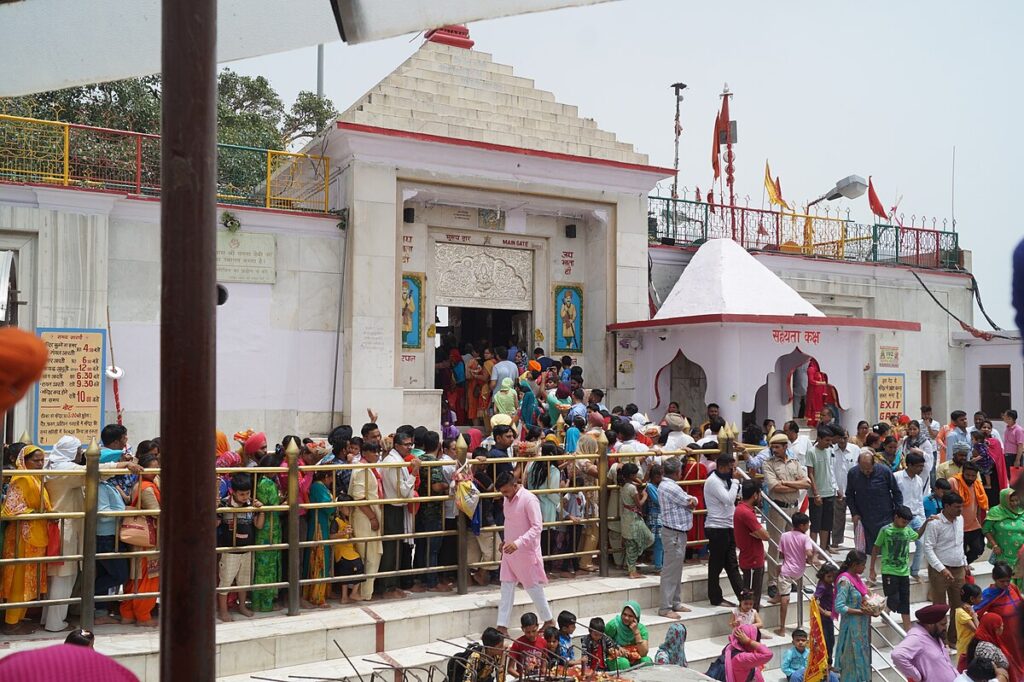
(406, 632)
(417, 645)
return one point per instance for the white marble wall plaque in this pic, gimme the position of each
(246, 257)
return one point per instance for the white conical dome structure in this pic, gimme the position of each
(722, 278)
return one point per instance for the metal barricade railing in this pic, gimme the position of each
(292, 476)
(89, 157)
(874, 629)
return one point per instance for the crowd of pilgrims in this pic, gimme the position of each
(937, 475)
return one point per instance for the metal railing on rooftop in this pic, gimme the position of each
(85, 157)
(691, 223)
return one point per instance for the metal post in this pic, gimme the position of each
(188, 219)
(92, 482)
(320, 70)
(678, 87)
(462, 544)
(602, 514)
(294, 553)
(67, 151)
(138, 164)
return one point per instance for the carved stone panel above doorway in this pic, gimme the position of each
(474, 276)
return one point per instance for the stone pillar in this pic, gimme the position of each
(630, 259)
(371, 318)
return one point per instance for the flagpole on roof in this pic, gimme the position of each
(678, 87)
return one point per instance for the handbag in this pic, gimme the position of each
(138, 531)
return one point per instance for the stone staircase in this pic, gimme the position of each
(407, 633)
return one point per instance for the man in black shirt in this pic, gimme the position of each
(503, 436)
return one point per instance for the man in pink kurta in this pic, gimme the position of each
(521, 560)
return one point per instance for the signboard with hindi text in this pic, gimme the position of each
(248, 257)
(69, 396)
(889, 393)
(888, 356)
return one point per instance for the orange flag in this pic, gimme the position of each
(817, 659)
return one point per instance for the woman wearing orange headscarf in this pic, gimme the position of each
(24, 539)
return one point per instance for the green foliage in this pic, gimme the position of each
(249, 114)
(132, 104)
(308, 116)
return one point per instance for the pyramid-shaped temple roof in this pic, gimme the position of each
(722, 278)
(451, 91)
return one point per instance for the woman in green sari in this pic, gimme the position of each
(1004, 530)
(267, 565)
(630, 635)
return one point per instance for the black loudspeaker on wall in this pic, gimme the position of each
(409, 215)
(570, 232)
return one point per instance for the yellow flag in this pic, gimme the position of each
(773, 188)
(817, 658)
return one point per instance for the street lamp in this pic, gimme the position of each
(850, 187)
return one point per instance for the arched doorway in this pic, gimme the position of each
(798, 388)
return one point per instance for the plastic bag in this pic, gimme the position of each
(467, 497)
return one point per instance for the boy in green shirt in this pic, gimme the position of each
(893, 545)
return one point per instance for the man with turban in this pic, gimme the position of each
(922, 655)
(254, 449)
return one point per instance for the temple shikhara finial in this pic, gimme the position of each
(456, 36)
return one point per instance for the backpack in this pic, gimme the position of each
(716, 670)
(456, 668)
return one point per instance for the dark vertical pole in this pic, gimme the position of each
(188, 218)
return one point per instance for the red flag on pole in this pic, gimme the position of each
(715, 148)
(873, 201)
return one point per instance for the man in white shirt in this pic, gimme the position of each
(844, 458)
(798, 444)
(914, 486)
(979, 419)
(677, 438)
(397, 483)
(720, 492)
(947, 562)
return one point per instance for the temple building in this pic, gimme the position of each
(457, 203)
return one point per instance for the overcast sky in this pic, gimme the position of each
(822, 90)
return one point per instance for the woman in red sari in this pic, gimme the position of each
(1004, 598)
(817, 390)
(476, 379)
(455, 391)
(693, 470)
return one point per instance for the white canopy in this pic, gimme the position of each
(722, 278)
(53, 44)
